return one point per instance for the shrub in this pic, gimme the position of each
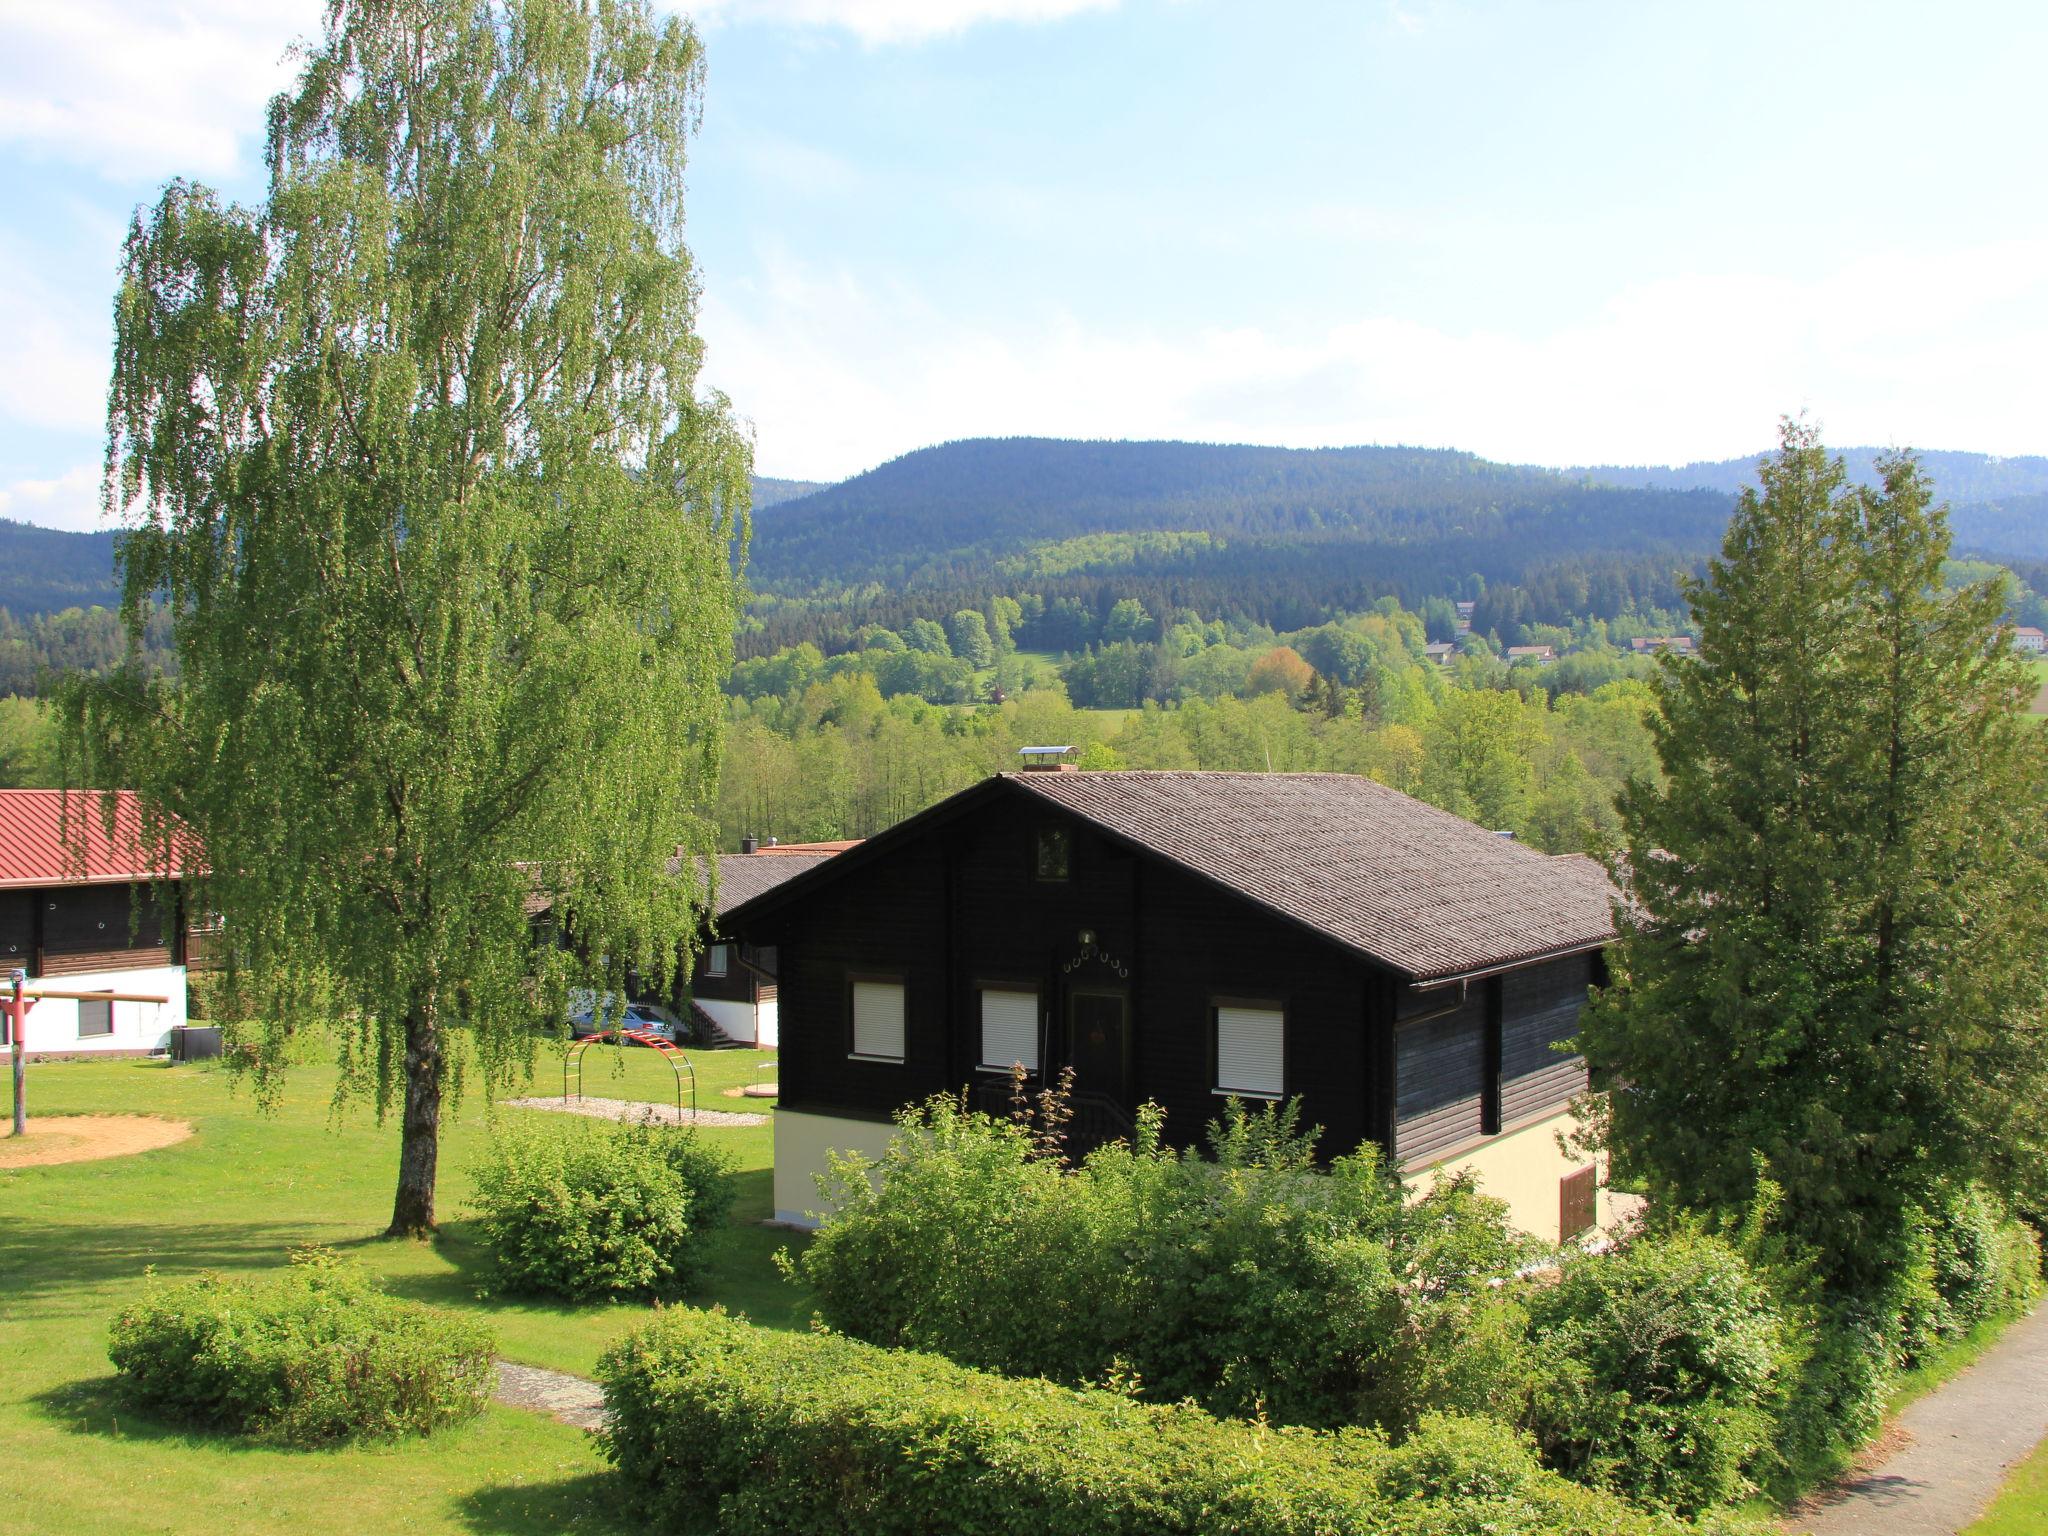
(1658, 1369)
(1969, 1261)
(598, 1208)
(714, 1424)
(312, 1356)
(1246, 1280)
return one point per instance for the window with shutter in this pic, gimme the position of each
(95, 1017)
(878, 1020)
(1250, 1051)
(1009, 1030)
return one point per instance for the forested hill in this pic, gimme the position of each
(43, 570)
(1996, 505)
(946, 514)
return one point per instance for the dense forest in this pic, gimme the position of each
(1272, 536)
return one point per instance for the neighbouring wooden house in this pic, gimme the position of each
(1542, 655)
(79, 910)
(1646, 645)
(731, 987)
(1184, 937)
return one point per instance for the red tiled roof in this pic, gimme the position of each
(59, 837)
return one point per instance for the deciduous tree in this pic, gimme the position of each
(414, 452)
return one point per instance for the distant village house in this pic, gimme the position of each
(79, 912)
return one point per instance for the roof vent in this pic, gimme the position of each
(1506, 834)
(1048, 759)
(750, 844)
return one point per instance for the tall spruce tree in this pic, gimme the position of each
(413, 453)
(1839, 894)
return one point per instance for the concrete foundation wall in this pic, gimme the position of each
(802, 1141)
(1524, 1168)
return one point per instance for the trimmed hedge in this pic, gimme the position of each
(597, 1208)
(716, 1425)
(316, 1355)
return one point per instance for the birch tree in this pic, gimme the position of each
(415, 455)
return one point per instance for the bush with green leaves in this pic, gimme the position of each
(585, 1208)
(1246, 1280)
(314, 1355)
(1658, 1367)
(1970, 1261)
(717, 1425)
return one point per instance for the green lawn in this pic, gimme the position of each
(2041, 679)
(2021, 1508)
(245, 1187)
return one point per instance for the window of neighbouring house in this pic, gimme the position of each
(95, 1016)
(1009, 1030)
(1055, 853)
(717, 959)
(1250, 1050)
(878, 1020)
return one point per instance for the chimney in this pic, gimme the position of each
(1047, 759)
(750, 844)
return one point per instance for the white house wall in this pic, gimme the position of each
(736, 1019)
(803, 1144)
(138, 1027)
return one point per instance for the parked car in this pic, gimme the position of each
(635, 1016)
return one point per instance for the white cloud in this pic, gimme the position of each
(839, 374)
(890, 21)
(72, 500)
(141, 92)
(55, 351)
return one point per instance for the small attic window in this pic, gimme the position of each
(1055, 853)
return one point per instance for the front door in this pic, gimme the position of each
(1099, 1045)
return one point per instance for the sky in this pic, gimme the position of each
(1560, 233)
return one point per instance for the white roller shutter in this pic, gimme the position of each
(1009, 1030)
(878, 1019)
(1249, 1052)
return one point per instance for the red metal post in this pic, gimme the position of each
(17, 1019)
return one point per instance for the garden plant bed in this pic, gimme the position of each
(86, 1138)
(631, 1109)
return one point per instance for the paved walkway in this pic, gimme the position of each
(572, 1399)
(1960, 1441)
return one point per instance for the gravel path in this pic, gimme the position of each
(572, 1399)
(630, 1109)
(1956, 1446)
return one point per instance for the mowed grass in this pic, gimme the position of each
(2021, 1508)
(245, 1188)
(2040, 705)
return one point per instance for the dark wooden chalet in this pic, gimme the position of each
(1181, 937)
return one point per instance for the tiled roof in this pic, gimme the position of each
(58, 837)
(1404, 883)
(742, 876)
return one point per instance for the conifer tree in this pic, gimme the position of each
(1831, 953)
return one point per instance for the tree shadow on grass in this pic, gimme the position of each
(44, 1258)
(593, 1502)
